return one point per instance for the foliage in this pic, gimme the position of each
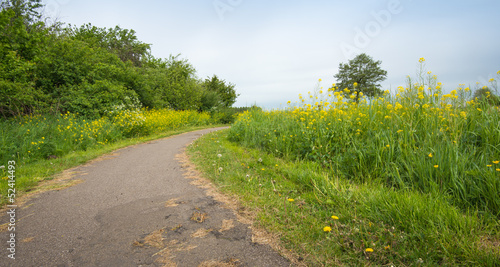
(485, 94)
(89, 70)
(121, 42)
(217, 94)
(361, 76)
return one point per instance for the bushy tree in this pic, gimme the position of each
(361, 74)
(218, 93)
(485, 94)
(121, 42)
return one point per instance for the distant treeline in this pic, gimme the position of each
(53, 67)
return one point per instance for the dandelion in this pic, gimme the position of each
(387, 247)
(399, 131)
(260, 159)
(430, 155)
(291, 200)
(219, 155)
(498, 170)
(220, 169)
(327, 229)
(335, 217)
(369, 250)
(489, 165)
(436, 166)
(262, 169)
(496, 161)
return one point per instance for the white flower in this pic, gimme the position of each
(220, 169)
(2, 167)
(219, 155)
(260, 159)
(248, 175)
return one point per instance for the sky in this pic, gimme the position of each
(272, 51)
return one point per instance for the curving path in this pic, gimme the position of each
(134, 207)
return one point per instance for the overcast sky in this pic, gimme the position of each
(274, 50)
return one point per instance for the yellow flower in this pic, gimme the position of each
(430, 155)
(491, 80)
(335, 217)
(421, 60)
(291, 200)
(400, 131)
(327, 229)
(498, 170)
(387, 247)
(355, 84)
(436, 166)
(496, 161)
(369, 250)
(319, 80)
(489, 165)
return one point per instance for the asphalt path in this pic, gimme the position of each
(134, 207)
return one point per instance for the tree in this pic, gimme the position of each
(361, 75)
(122, 42)
(225, 92)
(485, 94)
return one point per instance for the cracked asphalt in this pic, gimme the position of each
(135, 207)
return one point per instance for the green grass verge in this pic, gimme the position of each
(336, 222)
(29, 175)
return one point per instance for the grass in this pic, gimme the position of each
(297, 199)
(419, 139)
(410, 178)
(43, 146)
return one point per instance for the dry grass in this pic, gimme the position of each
(227, 225)
(201, 233)
(155, 239)
(199, 217)
(172, 203)
(214, 263)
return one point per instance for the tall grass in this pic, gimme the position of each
(36, 137)
(418, 139)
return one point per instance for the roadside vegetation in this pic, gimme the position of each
(404, 179)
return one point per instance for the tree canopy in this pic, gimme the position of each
(361, 75)
(91, 70)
